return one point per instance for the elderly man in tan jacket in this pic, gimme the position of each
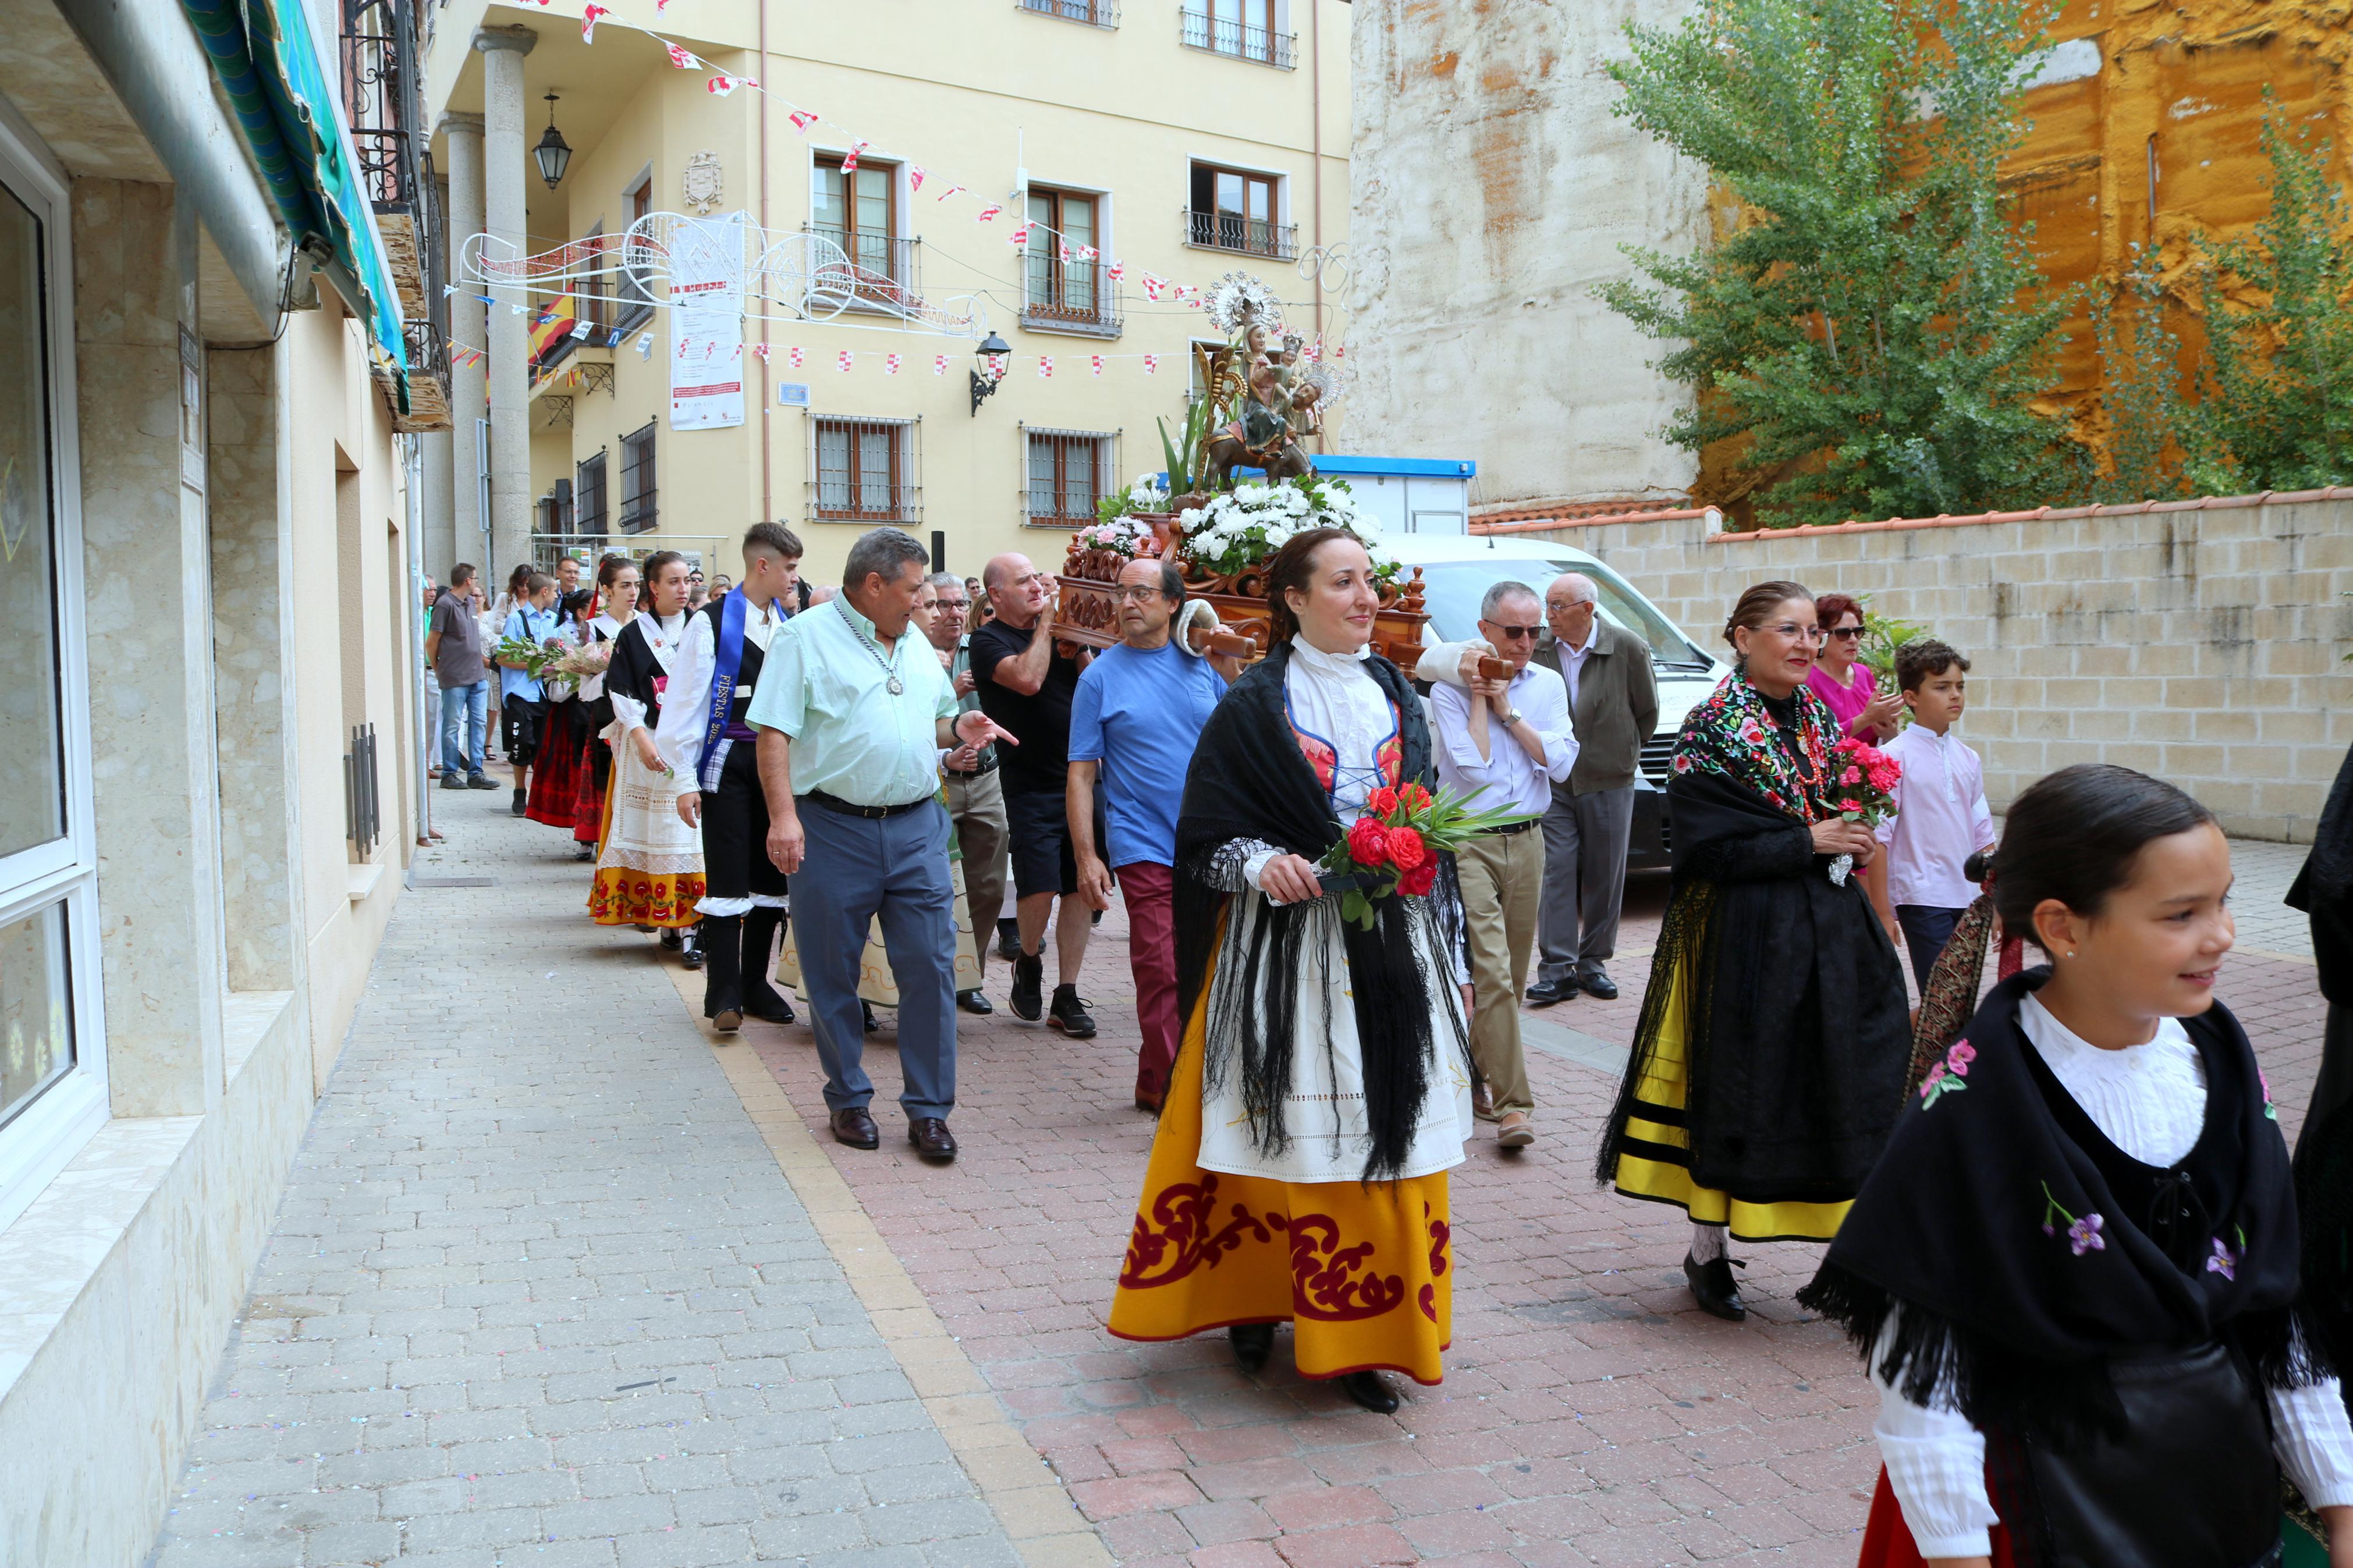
(1613, 699)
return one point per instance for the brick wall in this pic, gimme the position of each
(2202, 641)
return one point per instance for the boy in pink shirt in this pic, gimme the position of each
(1941, 817)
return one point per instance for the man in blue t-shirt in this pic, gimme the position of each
(1136, 718)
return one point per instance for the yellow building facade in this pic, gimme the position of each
(1182, 144)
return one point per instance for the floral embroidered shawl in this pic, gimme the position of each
(1731, 734)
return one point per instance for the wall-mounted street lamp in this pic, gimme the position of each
(553, 152)
(992, 351)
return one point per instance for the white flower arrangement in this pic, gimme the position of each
(1147, 494)
(1245, 525)
(1118, 533)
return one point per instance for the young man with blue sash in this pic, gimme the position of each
(705, 737)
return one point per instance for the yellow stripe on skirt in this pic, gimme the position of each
(1654, 1154)
(1364, 1274)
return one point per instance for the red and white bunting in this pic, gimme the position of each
(1065, 253)
(721, 84)
(1153, 286)
(1020, 237)
(953, 190)
(914, 176)
(986, 214)
(762, 350)
(802, 120)
(850, 158)
(681, 59)
(1045, 366)
(1115, 271)
(940, 364)
(844, 363)
(660, 6)
(1089, 253)
(793, 354)
(1095, 362)
(589, 22)
(890, 364)
(1151, 364)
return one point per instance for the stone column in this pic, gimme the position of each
(468, 402)
(506, 164)
(146, 570)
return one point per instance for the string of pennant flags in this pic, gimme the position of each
(720, 84)
(845, 360)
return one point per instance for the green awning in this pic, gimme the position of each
(270, 65)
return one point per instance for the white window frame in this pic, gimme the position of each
(48, 1132)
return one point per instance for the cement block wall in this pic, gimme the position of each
(2202, 641)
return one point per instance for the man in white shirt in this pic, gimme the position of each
(1512, 740)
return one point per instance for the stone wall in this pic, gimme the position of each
(2202, 641)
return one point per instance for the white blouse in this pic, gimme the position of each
(2150, 1101)
(661, 636)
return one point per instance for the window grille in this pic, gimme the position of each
(865, 471)
(1094, 13)
(1066, 472)
(1237, 209)
(362, 805)
(588, 496)
(637, 510)
(1241, 28)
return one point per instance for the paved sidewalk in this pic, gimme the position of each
(541, 1292)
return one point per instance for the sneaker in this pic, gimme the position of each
(451, 781)
(1069, 1013)
(476, 781)
(1029, 986)
(521, 797)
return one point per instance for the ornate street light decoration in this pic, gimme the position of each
(553, 153)
(992, 351)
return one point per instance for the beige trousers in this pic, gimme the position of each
(1502, 895)
(977, 807)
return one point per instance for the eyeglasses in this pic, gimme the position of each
(953, 603)
(1137, 593)
(1847, 632)
(1793, 631)
(1512, 633)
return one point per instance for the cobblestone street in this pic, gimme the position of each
(557, 1281)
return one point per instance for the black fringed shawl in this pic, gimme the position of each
(2029, 1252)
(2324, 1152)
(1250, 781)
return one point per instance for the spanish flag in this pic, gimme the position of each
(552, 326)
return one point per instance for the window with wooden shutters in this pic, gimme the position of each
(865, 471)
(1063, 282)
(1069, 471)
(857, 211)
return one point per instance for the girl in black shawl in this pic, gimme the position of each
(1769, 1060)
(1323, 1087)
(2074, 1273)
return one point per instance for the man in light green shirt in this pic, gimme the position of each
(852, 710)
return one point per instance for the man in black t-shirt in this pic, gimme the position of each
(1025, 685)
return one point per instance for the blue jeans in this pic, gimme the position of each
(470, 706)
(1926, 929)
(897, 867)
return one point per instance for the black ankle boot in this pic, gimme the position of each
(1253, 1343)
(761, 998)
(722, 958)
(1712, 1284)
(1371, 1390)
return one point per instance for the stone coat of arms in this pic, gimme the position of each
(703, 183)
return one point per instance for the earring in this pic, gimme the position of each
(2071, 952)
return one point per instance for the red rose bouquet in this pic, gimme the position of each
(1394, 846)
(1861, 786)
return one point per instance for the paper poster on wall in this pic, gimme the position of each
(706, 298)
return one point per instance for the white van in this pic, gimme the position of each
(1458, 570)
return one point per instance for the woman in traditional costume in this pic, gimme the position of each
(560, 770)
(650, 870)
(1769, 1060)
(618, 584)
(1322, 1088)
(2073, 1275)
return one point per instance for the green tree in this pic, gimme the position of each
(2275, 396)
(1874, 327)
(2140, 374)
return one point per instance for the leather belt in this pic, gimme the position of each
(834, 803)
(1508, 832)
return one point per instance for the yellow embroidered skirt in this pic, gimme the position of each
(1364, 1274)
(1654, 1154)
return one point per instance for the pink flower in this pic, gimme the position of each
(2084, 1237)
(1962, 1053)
(1682, 763)
(1936, 1076)
(1850, 776)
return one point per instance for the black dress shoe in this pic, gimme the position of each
(931, 1137)
(852, 1126)
(1371, 1390)
(1712, 1285)
(671, 936)
(1029, 988)
(1599, 985)
(727, 1020)
(1544, 992)
(866, 1010)
(973, 1003)
(772, 1009)
(1253, 1343)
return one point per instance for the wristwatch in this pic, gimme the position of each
(1510, 718)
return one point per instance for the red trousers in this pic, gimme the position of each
(1152, 958)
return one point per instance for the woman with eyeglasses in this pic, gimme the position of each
(1862, 707)
(1769, 1062)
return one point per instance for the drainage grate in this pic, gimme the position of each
(454, 882)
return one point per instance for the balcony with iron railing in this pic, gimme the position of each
(1223, 36)
(383, 83)
(885, 272)
(1093, 13)
(1245, 236)
(1077, 297)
